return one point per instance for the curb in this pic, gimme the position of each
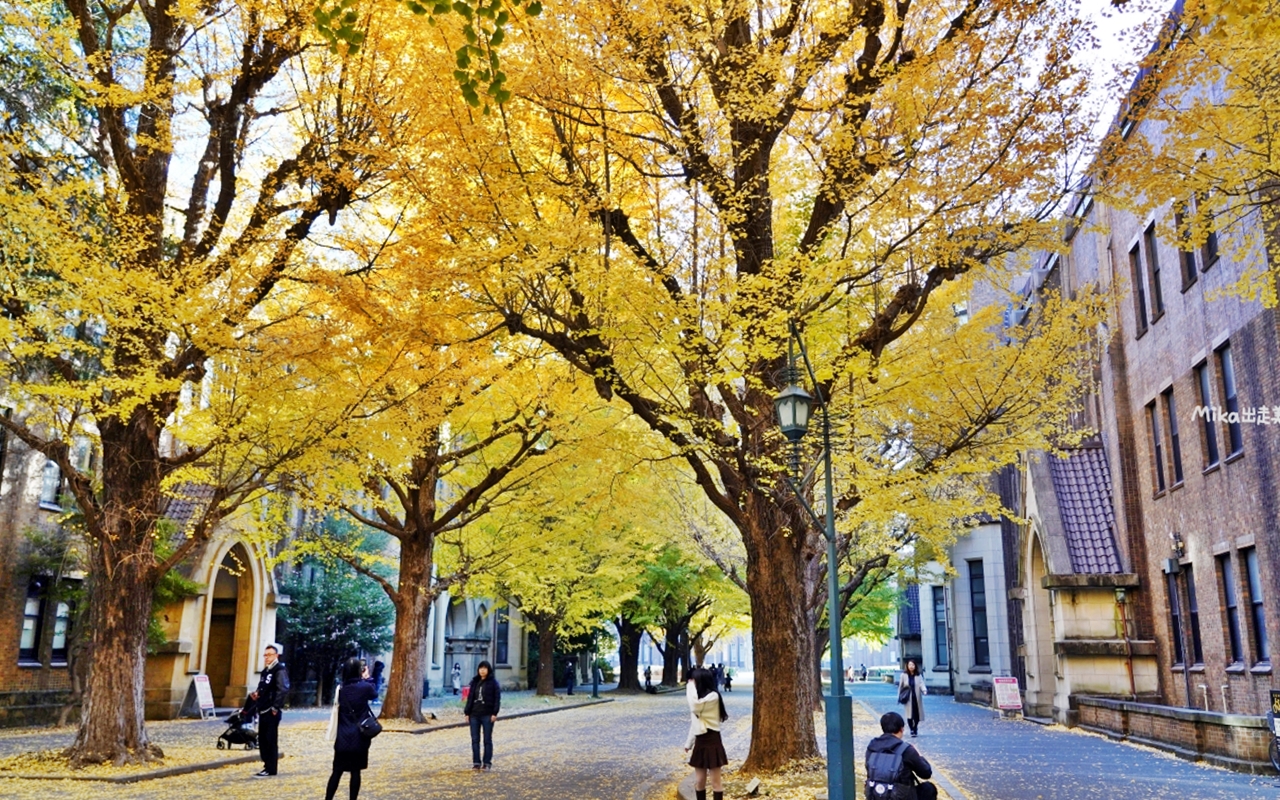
(514, 715)
(167, 772)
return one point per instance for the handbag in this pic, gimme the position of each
(904, 695)
(369, 726)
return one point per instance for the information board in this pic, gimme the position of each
(204, 694)
(1007, 696)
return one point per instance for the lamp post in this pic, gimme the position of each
(794, 406)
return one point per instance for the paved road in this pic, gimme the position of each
(988, 758)
(629, 749)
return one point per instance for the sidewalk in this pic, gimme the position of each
(989, 758)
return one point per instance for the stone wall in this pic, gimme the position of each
(1234, 741)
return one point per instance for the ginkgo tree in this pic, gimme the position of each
(1200, 129)
(157, 207)
(678, 182)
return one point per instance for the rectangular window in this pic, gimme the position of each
(1210, 428)
(1139, 290)
(1232, 609)
(51, 486)
(1208, 250)
(1193, 616)
(1175, 619)
(1186, 256)
(61, 632)
(1153, 271)
(502, 632)
(1258, 617)
(1230, 401)
(32, 614)
(1175, 446)
(978, 595)
(940, 626)
(1157, 446)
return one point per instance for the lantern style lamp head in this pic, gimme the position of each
(793, 406)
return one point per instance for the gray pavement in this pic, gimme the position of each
(629, 749)
(989, 758)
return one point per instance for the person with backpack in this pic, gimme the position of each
(895, 769)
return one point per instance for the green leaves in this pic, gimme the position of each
(485, 31)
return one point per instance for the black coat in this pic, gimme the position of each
(912, 761)
(273, 687)
(353, 706)
(484, 699)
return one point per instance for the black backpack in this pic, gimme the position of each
(885, 780)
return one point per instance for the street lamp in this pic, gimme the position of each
(794, 406)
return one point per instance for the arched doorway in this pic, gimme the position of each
(1041, 661)
(230, 621)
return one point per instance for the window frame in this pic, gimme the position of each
(941, 652)
(1231, 610)
(1257, 609)
(1139, 290)
(1186, 257)
(30, 655)
(1175, 620)
(1150, 248)
(48, 501)
(1193, 616)
(1175, 447)
(1230, 399)
(1157, 449)
(1209, 432)
(978, 614)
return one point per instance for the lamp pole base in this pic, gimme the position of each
(840, 755)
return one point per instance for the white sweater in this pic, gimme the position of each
(704, 712)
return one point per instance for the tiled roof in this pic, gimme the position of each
(186, 502)
(1082, 482)
(911, 611)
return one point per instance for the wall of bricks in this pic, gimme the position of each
(1228, 740)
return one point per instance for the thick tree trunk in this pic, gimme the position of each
(122, 579)
(628, 654)
(546, 657)
(409, 646)
(782, 636)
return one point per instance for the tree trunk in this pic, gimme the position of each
(409, 648)
(628, 654)
(671, 658)
(546, 656)
(111, 720)
(782, 637)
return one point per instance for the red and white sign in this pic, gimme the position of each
(1007, 695)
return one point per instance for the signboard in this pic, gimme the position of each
(1275, 712)
(204, 694)
(1007, 696)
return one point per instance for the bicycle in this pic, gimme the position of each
(1273, 723)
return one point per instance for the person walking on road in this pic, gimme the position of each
(887, 754)
(706, 748)
(350, 749)
(457, 677)
(648, 677)
(484, 698)
(273, 689)
(911, 692)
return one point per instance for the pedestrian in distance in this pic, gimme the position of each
(895, 769)
(570, 677)
(484, 699)
(728, 679)
(457, 677)
(350, 748)
(269, 697)
(704, 745)
(911, 692)
(648, 677)
(863, 667)
(378, 669)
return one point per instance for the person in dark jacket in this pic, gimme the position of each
(484, 699)
(273, 689)
(350, 749)
(914, 766)
(570, 675)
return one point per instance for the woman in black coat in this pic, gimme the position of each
(483, 701)
(350, 749)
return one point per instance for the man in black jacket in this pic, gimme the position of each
(913, 764)
(273, 688)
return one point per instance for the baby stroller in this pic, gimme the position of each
(240, 729)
